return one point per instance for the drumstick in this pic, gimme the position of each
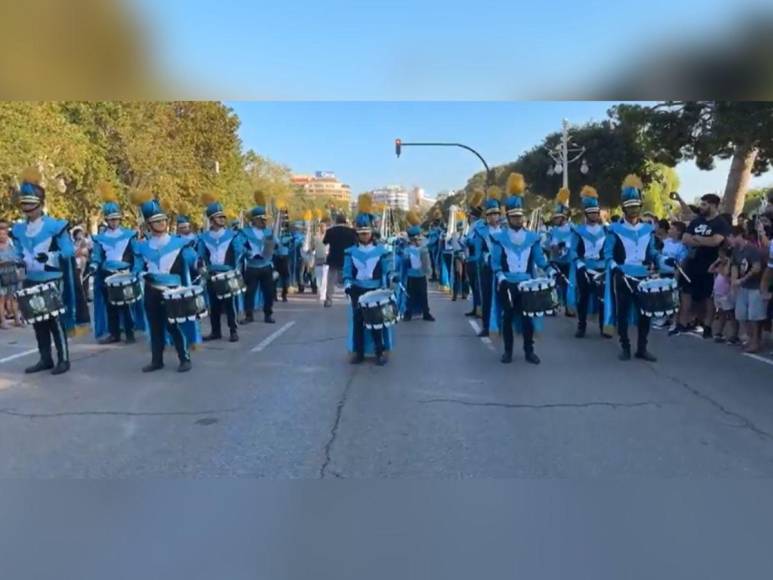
(685, 276)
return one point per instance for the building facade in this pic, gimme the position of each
(393, 196)
(323, 184)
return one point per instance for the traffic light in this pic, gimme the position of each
(398, 147)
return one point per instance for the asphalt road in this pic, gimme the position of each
(285, 403)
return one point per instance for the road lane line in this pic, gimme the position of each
(758, 357)
(272, 337)
(17, 355)
(484, 339)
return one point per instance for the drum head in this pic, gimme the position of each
(122, 279)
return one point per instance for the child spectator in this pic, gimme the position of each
(750, 306)
(725, 326)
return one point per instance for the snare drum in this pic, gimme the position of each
(185, 303)
(40, 302)
(228, 283)
(379, 308)
(658, 297)
(123, 289)
(538, 296)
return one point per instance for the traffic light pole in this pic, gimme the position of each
(489, 173)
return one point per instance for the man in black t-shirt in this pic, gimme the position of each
(338, 238)
(703, 237)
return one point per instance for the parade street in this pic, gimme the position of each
(284, 402)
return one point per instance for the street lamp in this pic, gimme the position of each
(399, 144)
(565, 153)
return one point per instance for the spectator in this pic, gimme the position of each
(661, 233)
(9, 277)
(671, 247)
(338, 238)
(320, 257)
(742, 220)
(750, 306)
(725, 326)
(704, 236)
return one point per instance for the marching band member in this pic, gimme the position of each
(474, 244)
(258, 270)
(515, 254)
(453, 260)
(168, 262)
(220, 249)
(366, 267)
(416, 267)
(185, 229)
(628, 249)
(488, 232)
(44, 248)
(433, 245)
(587, 244)
(113, 252)
(557, 243)
(282, 251)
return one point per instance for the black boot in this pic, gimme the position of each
(268, 319)
(234, 336)
(153, 366)
(61, 368)
(646, 355)
(483, 333)
(580, 332)
(110, 339)
(507, 358)
(184, 367)
(212, 336)
(380, 359)
(41, 365)
(625, 353)
(471, 313)
(428, 317)
(356, 359)
(248, 318)
(531, 357)
(130, 338)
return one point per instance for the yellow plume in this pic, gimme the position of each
(412, 217)
(206, 198)
(307, 215)
(588, 191)
(632, 180)
(563, 196)
(365, 203)
(138, 196)
(494, 192)
(31, 175)
(318, 213)
(475, 199)
(460, 215)
(165, 205)
(259, 197)
(106, 191)
(515, 184)
(281, 203)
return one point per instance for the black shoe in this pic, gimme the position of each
(234, 336)
(507, 358)
(380, 360)
(580, 333)
(152, 367)
(428, 318)
(247, 319)
(605, 335)
(644, 355)
(625, 354)
(212, 337)
(483, 333)
(678, 329)
(707, 333)
(453, 299)
(284, 298)
(471, 313)
(531, 357)
(111, 339)
(184, 367)
(407, 318)
(356, 359)
(41, 365)
(61, 368)
(130, 339)
(269, 319)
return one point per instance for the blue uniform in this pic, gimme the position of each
(114, 251)
(167, 261)
(258, 271)
(474, 260)
(587, 261)
(221, 251)
(514, 258)
(557, 245)
(414, 266)
(366, 267)
(45, 249)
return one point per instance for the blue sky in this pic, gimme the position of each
(356, 139)
(416, 49)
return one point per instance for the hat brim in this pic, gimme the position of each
(364, 230)
(515, 212)
(217, 214)
(632, 203)
(113, 216)
(30, 199)
(493, 211)
(159, 217)
(592, 209)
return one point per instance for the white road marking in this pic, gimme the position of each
(17, 355)
(272, 337)
(484, 339)
(758, 357)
